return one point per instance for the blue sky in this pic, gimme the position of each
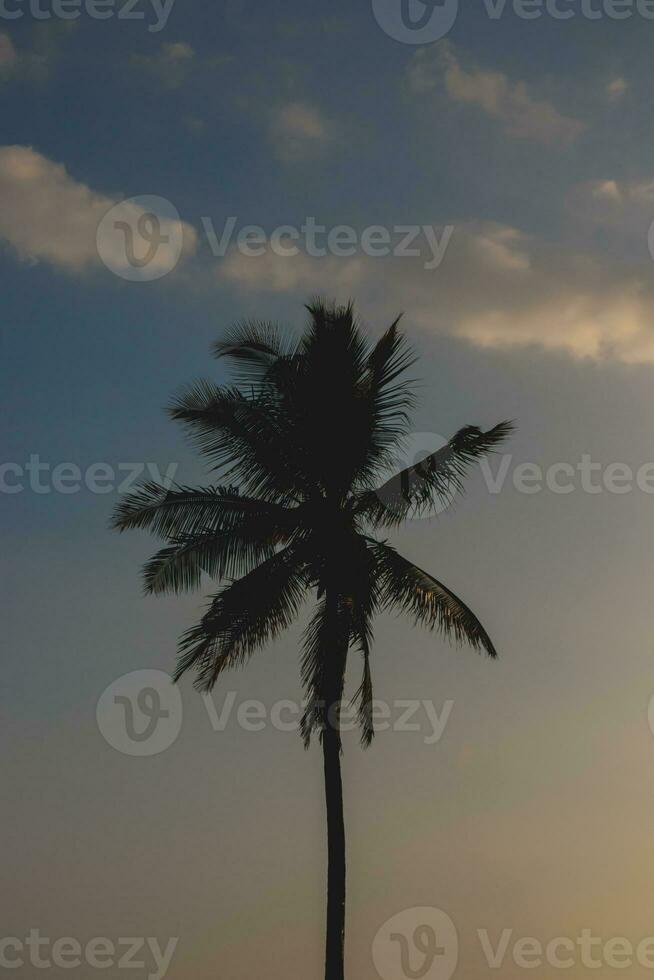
(532, 141)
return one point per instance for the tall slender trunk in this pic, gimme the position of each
(335, 659)
(335, 942)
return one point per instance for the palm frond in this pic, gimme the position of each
(322, 664)
(350, 597)
(345, 436)
(431, 603)
(246, 435)
(254, 346)
(227, 554)
(388, 401)
(172, 512)
(365, 598)
(244, 616)
(364, 697)
(434, 479)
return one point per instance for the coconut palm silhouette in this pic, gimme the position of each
(303, 442)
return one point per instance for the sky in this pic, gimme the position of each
(511, 157)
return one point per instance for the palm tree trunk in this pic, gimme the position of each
(331, 747)
(335, 943)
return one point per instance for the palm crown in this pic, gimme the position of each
(302, 442)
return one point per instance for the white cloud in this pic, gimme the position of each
(614, 214)
(8, 54)
(522, 115)
(194, 124)
(276, 273)
(35, 61)
(170, 65)
(637, 192)
(616, 89)
(607, 190)
(496, 288)
(298, 130)
(582, 318)
(46, 215)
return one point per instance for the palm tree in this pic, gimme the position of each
(301, 442)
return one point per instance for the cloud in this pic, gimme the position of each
(8, 54)
(46, 215)
(176, 63)
(34, 63)
(606, 190)
(170, 65)
(194, 124)
(616, 89)
(298, 130)
(615, 192)
(614, 214)
(522, 116)
(496, 288)
(301, 273)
